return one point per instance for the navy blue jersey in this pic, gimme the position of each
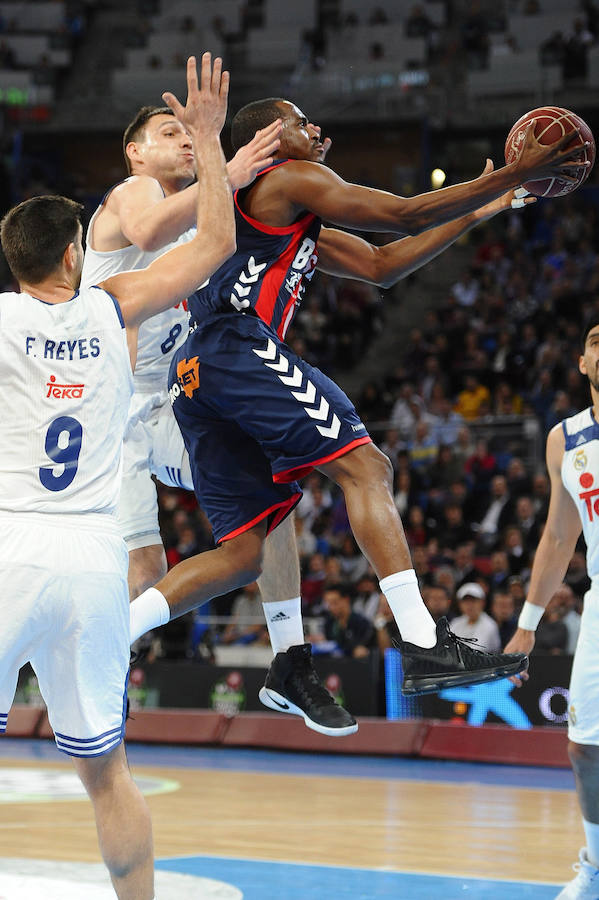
(268, 271)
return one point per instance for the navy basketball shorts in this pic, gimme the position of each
(255, 417)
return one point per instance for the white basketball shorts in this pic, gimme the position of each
(583, 707)
(64, 607)
(153, 445)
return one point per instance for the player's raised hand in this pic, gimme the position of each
(253, 157)
(538, 160)
(206, 107)
(514, 199)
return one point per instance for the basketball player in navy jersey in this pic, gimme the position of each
(255, 417)
(138, 221)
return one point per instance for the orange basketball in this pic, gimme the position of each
(552, 122)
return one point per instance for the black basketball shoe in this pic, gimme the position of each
(453, 661)
(292, 686)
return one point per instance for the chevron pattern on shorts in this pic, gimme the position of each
(315, 405)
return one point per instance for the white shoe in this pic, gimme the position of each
(586, 884)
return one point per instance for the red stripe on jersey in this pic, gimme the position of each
(298, 472)
(274, 229)
(274, 278)
(286, 318)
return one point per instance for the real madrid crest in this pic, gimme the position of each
(580, 460)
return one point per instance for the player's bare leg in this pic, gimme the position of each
(365, 475)
(585, 763)
(147, 565)
(194, 581)
(433, 657)
(279, 586)
(123, 823)
(292, 684)
(280, 567)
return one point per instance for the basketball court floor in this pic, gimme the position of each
(261, 825)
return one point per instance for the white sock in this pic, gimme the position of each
(148, 611)
(284, 623)
(591, 831)
(414, 621)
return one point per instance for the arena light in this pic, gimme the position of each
(438, 177)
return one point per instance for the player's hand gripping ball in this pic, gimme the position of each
(552, 122)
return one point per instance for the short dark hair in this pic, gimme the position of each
(36, 233)
(135, 128)
(591, 321)
(252, 117)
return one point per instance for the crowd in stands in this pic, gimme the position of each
(504, 346)
(473, 33)
(59, 29)
(486, 33)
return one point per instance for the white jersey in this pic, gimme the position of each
(66, 383)
(158, 336)
(580, 474)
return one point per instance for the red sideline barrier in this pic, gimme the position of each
(414, 737)
(290, 733)
(177, 726)
(497, 743)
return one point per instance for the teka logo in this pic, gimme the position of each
(63, 391)
(188, 375)
(592, 505)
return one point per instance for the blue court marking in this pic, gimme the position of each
(275, 880)
(334, 765)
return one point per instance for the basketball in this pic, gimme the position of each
(552, 122)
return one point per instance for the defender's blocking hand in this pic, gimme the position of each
(206, 107)
(253, 157)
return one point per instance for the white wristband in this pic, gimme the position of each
(530, 616)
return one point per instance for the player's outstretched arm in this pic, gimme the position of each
(176, 274)
(307, 185)
(556, 546)
(347, 255)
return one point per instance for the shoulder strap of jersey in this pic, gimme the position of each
(577, 436)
